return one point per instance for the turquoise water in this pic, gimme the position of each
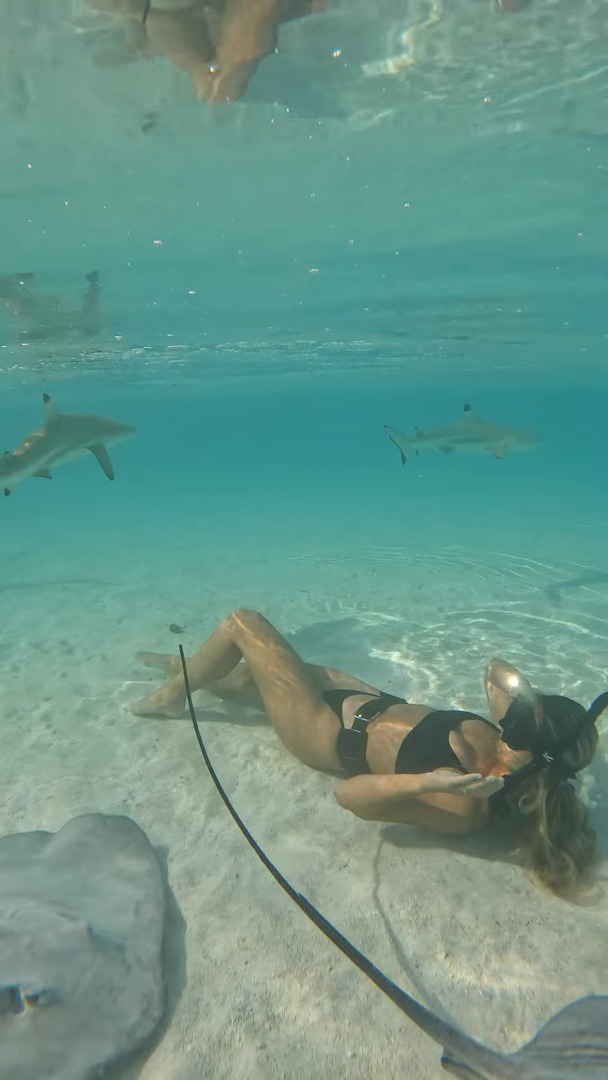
(349, 246)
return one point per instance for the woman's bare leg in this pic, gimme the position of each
(303, 721)
(238, 685)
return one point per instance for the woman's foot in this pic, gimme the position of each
(165, 701)
(171, 665)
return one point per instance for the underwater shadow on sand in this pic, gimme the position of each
(346, 643)
(174, 973)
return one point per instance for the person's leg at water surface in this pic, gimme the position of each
(219, 44)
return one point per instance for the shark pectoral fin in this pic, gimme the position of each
(51, 411)
(499, 452)
(46, 473)
(389, 431)
(403, 457)
(99, 451)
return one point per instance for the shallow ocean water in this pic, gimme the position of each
(360, 241)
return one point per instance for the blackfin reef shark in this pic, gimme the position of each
(63, 438)
(468, 435)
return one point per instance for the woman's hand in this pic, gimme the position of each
(452, 782)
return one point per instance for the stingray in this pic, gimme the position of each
(572, 1045)
(81, 923)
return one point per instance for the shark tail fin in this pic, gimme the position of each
(574, 1042)
(51, 411)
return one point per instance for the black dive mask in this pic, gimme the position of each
(520, 732)
(519, 727)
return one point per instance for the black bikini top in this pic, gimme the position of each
(427, 746)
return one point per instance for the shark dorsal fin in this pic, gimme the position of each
(51, 411)
(468, 416)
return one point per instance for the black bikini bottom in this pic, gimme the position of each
(352, 742)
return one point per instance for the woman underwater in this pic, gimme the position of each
(450, 771)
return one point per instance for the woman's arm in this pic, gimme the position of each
(433, 800)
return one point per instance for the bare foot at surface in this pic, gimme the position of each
(171, 665)
(160, 703)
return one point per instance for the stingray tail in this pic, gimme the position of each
(435, 1027)
(572, 1045)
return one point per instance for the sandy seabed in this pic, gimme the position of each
(255, 991)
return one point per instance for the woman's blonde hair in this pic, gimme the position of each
(554, 829)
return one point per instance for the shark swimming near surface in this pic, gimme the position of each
(63, 438)
(468, 435)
